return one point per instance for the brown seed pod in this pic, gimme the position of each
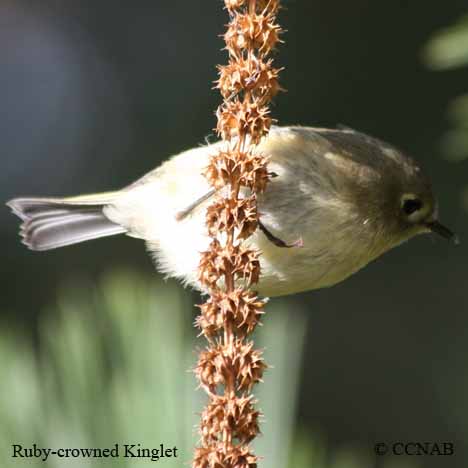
(240, 307)
(248, 31)
(237, 119)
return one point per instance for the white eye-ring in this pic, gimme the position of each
(413, 207)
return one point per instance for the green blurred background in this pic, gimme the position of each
(94, 94)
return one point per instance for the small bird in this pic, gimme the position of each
(337, 200)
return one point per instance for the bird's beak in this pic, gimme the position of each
(443, 231)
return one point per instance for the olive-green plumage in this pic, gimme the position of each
(346, 196)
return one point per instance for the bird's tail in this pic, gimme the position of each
(49, 223)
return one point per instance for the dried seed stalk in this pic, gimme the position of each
(230, 366)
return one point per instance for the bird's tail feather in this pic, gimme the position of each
(49, 223)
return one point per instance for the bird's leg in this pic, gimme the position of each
(185, 212)
(271, 237)
(276, 240)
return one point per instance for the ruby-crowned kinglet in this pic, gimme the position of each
(346, 196)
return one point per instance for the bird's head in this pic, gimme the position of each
(388, 188)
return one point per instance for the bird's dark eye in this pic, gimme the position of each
(411, 205)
